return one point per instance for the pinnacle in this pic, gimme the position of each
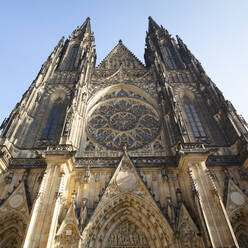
(86, 25)
(152, 24)
(80, 32)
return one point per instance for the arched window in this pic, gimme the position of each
(170, 58)
(72, 57)
(52, 122)
(194, 121)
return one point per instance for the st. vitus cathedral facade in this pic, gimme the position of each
(123, 154)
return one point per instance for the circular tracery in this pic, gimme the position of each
(124, 121)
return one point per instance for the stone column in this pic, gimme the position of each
(43, 221)
(216, 220)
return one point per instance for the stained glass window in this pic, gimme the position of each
(171, 60)
(194, 121)
(52, 122)
(167, 51)
(126, 121)
(72, 57)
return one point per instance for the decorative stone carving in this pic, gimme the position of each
(127, 235)
(16, 201)
(123, 122)
(237, 198)
(68, 238)
(12, 230)
(120, 55)
(188, 231)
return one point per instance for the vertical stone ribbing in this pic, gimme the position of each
(217, 223)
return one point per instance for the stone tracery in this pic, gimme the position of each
(123, 119)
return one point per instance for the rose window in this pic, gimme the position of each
(125, 121)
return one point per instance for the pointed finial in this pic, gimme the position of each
(120, 42)
(74, 194)
(152, 24)
(124, 148)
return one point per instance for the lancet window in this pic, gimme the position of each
(72, 57)
(194, 121)
(52, 122)
(171, 60)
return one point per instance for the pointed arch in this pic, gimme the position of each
(134, 121)
(53, 120)
(51, 114)
(189, 110)
(12, 229)
(135, 210)
(188, 230)
(239, 221)
(118, 87)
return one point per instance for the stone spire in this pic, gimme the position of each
(79, 32)
(152, 25)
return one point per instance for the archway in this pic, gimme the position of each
(12, 230)
(128, 212)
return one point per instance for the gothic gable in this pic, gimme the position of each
(187, 229)
(68, 233)
(120, 55)
(17, 201)
(237, 209)
(14, 215)
(236, 199)
(127, 204)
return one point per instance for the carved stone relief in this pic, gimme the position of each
(127, 235)
(68, 238)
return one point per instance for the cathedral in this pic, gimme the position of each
(124, 154)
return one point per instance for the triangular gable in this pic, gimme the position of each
(17, 201)
(187, 229)
(236, 198)
(70, 219)
(185, 217)
(68, 234)
(126, 198)
(121, 55)
(127, 180)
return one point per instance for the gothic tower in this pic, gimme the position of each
(123, 154)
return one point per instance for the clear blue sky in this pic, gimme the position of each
(214, 30)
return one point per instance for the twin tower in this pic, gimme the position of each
(123, 154)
